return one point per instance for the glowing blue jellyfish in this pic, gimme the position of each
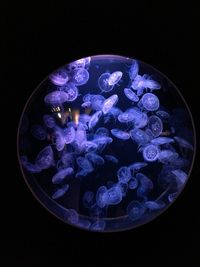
(84, 163)
(94, 119)
(72, 216)
(145, 185)
(60, 192)
(183, 143)
(59, 77)
(67, 157)
(154, 205)
(172, 197)
(56, 98)
(155, 125)
(143, 82)
(101, 196)
(32, 168)
(163, 114)
(137, 166)
(86, 104)
(135, 210)
(124, 174)
(94, 158)
(131, 95)
(88, 199)
(69, 135)
(97, 102)
(111, 158)
(114, 195)
(115, 77)
(84, 223)
(59, 139)
(133, 71)
(181, 176)
(123, 186)
(126, 117)
(98, 225)
(80, 63)
(61, 175)
(71, 91)
(88, 146)
(139, 136)
(49, 121)
(109, 103)
(167, 156)
(150, 102)
(151, 153)
(103, 82)
(102, 131)
(38, 132)
(120, 134)
(80, 76)
(45, 158)
(140, 118)
(133, 183)
(162, 140)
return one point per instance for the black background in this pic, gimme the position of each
(38, 39)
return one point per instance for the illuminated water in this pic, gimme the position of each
(106, 143)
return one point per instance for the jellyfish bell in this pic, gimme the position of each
(150, 102)
(59, 77)
(114, 78)
(103, 84)
(155, 125)
(80, 76)
(151, 153)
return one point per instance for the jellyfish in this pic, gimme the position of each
(161, 140)
(97, 212)
(59, 139)
(114, 78)
(88, 97)
(143, 82)
(145, 184)
(98, 225)
(181, 176)
(94, 119)
(103, 82)
(84, 118)
(120, 134)
(69, 135)
(94, 158)
(88, 146)
(60, 192)
(123, 186)
(133, 183)
(33, 168)
(62, 174)
(102, 141)
(102, 131)
(80, 76)
(154, 205)
(56, 98)
(172, 196)
(72, 216)
(109, 103)
(183, 143)
(88, 199)
(59, 77)
(84, 164)
(71, 91)
(131, 95)
(141, 120)
(114, 112)
(139, 136)
(133, 71)
(84, 223)
(151, 153)
(49, 121)
(38, 132)
(44, 159)
(114, 195)
(80, 63)
(126, 117)
(86, 104)
(80, 136)
(102, 196)
(155, 125)
(124, 174)
(137, 166)
(67, 157)
(167, 156)
(82, 173)
(111, 158)
(150, 102)
(163, 114)
(135, 210)
(97, 102)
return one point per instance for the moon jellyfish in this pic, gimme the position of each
(109, 103)
(151, 153)
(45, 158)
(103, 83)
(80, 76)
(120, 134)
(61, 175)
(56, 98)
(106, 143)
(135, 210)
(60, 192)
(114, 78)
(131, 95)
(155, 125)
(59, 77)
(150, 102)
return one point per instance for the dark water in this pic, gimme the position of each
(112, 216)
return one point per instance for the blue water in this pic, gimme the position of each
(106, 143)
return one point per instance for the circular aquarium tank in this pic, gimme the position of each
(106, 143)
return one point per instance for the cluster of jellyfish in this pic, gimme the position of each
(102, 145)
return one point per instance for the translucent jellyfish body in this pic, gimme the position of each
(106, 143)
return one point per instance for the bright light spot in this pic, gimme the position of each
(59, 115)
